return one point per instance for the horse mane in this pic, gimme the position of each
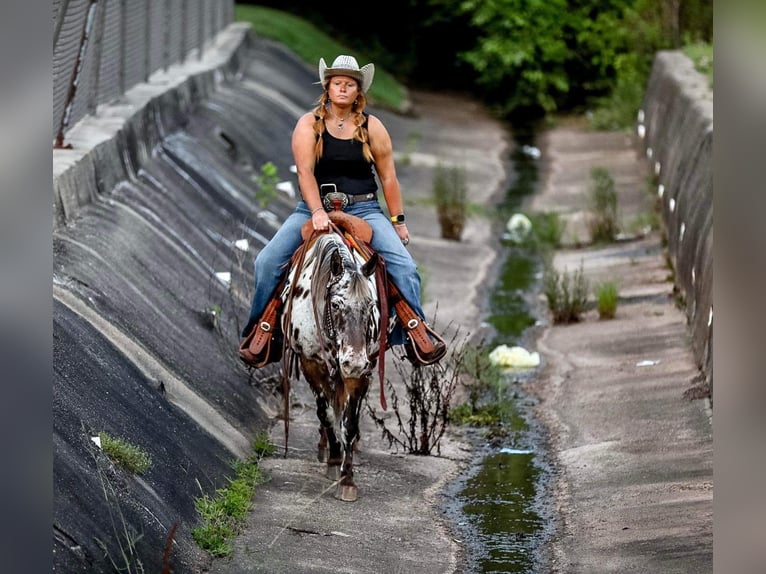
(324, 247)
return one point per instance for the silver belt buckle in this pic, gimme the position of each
(331, 197)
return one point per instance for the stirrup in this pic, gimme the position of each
(424, 346)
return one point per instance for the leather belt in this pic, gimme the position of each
(333, 199)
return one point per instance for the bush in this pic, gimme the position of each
(606, 299)
(449, 191)
(567, 294)
(602, 222)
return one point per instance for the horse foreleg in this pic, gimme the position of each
(349, 434)
(327, 437)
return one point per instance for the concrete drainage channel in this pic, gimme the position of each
(500, 506)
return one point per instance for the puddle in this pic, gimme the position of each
(499, 506)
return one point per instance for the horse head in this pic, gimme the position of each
(345, 301)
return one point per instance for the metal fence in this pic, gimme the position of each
(101, 48)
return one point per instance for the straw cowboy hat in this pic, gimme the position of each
(347, 66)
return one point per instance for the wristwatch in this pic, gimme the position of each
(397, 218)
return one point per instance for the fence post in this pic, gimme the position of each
(183, 32)
(59, 23)
(86, 28)
(166, 36)
(200, 28)
(147, 39)
(98, 42)
(123, 44)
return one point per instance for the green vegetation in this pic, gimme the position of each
(567, 294)
(602, 222)
(606, 299)
(548, 229)
(267, 181)
(128, 456)
(528, 59)
(223, 515)
(449, 192)
(310, 43)
(701, 53)
(485, 384)
(262, 446)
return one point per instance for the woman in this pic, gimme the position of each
(335, 147)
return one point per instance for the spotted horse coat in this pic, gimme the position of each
(332, 333)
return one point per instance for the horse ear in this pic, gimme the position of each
(336, 263)
(369, 267)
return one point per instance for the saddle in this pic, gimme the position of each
(424, 347)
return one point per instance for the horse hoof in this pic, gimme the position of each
(347, 492)
(322, 454)
(333, 471)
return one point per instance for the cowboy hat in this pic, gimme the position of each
(347, 66)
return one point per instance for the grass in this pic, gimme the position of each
(606, 299)
(310, 43)
(223, 515)
(128, 456)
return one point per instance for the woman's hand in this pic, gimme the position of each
(402, 232)
(320, 220)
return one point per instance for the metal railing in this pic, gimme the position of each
(101, 48)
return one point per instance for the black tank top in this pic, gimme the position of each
(343, 164)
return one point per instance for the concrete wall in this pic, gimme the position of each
(676, 123)
(157, 219)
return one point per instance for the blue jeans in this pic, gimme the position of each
(271, 262)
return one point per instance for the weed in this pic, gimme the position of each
(488, 405)
(449, 192)
(124, 454)
(262, 447)
(266, 181)
(481, 375)
(606, 299)
(429, 390)
(224, 514)
(566, 294)
(548, 229)
(645, 222)
(125, 535)
(603, 205)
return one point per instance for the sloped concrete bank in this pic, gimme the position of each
(156, 222)
(677, 127)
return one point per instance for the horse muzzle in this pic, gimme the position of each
(354, 363)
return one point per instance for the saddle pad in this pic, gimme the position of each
(352, 224)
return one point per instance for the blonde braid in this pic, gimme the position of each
(319, 125)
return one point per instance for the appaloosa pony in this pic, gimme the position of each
(332, 330)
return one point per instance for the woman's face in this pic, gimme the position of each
(343, 90)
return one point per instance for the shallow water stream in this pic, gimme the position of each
(499, 505)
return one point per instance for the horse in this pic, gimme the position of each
(333, 336)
